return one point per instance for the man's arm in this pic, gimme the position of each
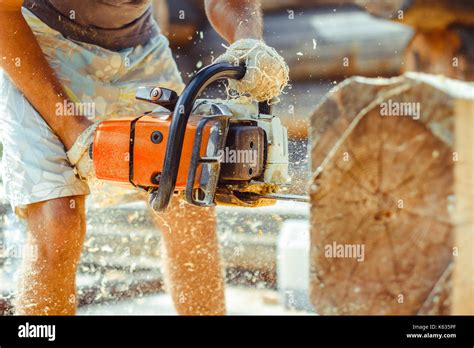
(235, 19)
(240, 23)
(23, 60)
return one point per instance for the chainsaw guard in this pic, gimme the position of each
(207, 167)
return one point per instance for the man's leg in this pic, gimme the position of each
(192, 262)
(56, 230)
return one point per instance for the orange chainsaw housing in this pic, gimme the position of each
(111, 149)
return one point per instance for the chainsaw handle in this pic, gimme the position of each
(161, 198)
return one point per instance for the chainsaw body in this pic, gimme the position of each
(203, 149)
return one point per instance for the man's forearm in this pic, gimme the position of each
(26, 65)
(235, 19)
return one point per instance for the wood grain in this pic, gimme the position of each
(386, 183)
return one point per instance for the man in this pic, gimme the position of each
(97, 52)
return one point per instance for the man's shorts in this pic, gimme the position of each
(102, 82)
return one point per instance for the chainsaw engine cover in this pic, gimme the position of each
(243, 157)
(131, 150)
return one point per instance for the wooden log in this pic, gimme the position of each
(444, 39)
(463, 296)
(329, 46)
(426, 15)
(272, 5)
(447, 52)
(423, 15)
(337, 44)
(385, 9)
(381, 231)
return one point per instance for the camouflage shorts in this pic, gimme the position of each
(99, 82)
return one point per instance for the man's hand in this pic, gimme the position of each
(240, 23)
(267, 72)
(78, 154)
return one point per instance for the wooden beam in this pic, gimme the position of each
(463, 296)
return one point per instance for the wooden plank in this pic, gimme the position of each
(463, 296)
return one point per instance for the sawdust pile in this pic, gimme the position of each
(267, 73)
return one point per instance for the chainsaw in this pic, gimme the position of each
(211, 157)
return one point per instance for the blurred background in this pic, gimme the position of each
(265, 250)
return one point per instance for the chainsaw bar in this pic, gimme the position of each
(283, 197)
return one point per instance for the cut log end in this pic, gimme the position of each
(381, 230)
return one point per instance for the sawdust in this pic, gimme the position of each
(228, 195)
(106, 194)
(267, 73)
(261, 189)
